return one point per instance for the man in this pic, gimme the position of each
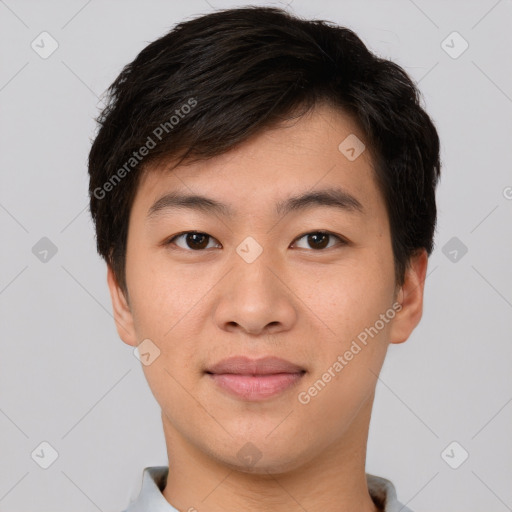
(263, 191)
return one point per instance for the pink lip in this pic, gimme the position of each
(255, 379)
(246, 366)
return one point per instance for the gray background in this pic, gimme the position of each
(67, 379)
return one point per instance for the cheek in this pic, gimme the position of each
(161, 293)
(348, 297)
(167, 308)
(352, 344)
(163, 311)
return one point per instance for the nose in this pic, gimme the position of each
(255, 298)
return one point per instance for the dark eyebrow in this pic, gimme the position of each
(178, 201)
(331, 197)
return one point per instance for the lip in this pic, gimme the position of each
(255, 379)
(243, 365)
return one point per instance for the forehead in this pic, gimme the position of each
(323, 149)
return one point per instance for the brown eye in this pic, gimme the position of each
(319, 240)
(196, 240)
(193, 240)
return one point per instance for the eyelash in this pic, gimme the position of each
(342, 241)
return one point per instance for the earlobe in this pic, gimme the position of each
(122, 313)
(410, 297)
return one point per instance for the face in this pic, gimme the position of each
(310, 281)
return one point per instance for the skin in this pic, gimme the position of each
(294, 301)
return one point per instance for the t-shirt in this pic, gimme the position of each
(154, 478)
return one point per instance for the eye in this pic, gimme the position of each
(194, 240)
(197, 241)
(320, 240)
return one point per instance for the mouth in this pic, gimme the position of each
(255, 379)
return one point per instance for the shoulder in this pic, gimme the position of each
(384, 495)
(154, 479)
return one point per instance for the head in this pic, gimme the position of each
(252, 108)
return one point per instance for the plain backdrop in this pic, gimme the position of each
(66, 379)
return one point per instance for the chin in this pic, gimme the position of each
(264, 466)
(261, 457)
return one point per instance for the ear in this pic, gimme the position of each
(410, 296)
(122, 312)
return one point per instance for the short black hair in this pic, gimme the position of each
(214, 81)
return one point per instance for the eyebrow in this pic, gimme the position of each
(330, 197)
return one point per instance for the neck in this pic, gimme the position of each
(332, 481)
